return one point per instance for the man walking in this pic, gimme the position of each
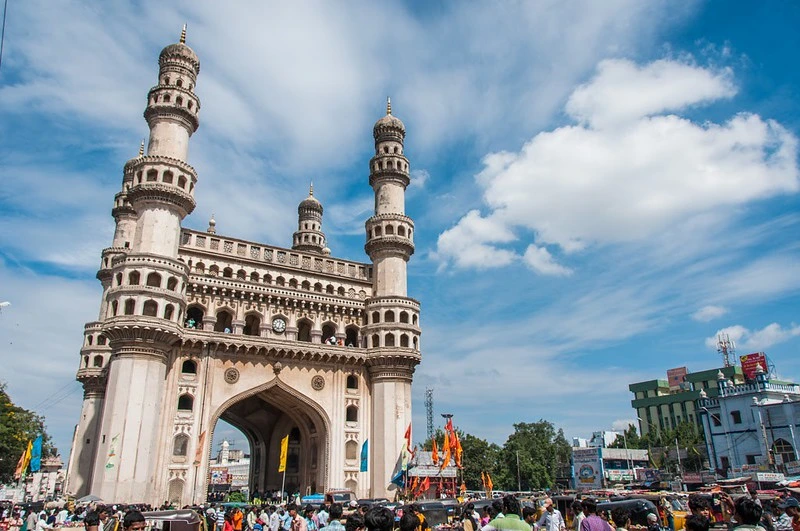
(551, 519)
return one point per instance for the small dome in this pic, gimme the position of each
(180, 50)
(310, 201)
(389, 121)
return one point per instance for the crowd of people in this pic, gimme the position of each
(747, 513)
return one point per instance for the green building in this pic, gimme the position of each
(663, 404)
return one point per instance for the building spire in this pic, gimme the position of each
(141, 149)
(311, 189)
(183, 35)
(388, 106)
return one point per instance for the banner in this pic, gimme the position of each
(198, 453)
(751, 362)
(36, 454)
(364, 456)
(24, 459)
(284, 454)
(587, 468)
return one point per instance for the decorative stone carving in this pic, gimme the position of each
(318, 383)
(231, 375)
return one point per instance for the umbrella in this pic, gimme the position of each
(89, 498)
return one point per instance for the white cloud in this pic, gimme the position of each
(468, 243)
(623, 92)
(580, 185)
(623, 424)
(540, 260)
(709, 313)
(751, 340)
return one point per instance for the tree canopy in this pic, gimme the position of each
(17, 427)
(543, 450)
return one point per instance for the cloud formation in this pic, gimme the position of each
(752, 340)
(628, 170)
(709, 313)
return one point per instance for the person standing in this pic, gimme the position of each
(335, 518)
(621, 518)
(792, 508)
(511, 517)
(577, 510)
(551, 519)
(592, 522)
(298, 523)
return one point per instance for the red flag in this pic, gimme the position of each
(446, 450)
(408, 438)
(434, 452)
(449, 425)
(425, 485)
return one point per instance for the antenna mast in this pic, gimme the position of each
(726, 347)
(429, 410)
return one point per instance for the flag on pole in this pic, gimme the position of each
(449, 426)
(284, 454)
(424, 485)
(24, 459)
(198, 453)
(364, 456)
(446, 451)
(407, 437)
(483, 479)
(489, 484)
(458, 449)
(36, 454)
(434, 452)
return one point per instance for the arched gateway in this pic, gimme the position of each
(196, 327)
(267, 414)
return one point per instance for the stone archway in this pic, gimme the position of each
(265, 415)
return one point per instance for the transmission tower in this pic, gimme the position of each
(429, 411)
(726, 348)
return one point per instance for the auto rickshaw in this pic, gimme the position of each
(180, 520)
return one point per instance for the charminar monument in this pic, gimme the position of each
(196, 327)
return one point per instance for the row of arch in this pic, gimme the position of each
(389, 164)
(390, 339)
(293, 283)
(154, 280)
(178, 82)
(195, 315)
(97, 361)
(389, 317)
(165, 177)
(390, 231)
(150, 308)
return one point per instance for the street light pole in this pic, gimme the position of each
(519, 481)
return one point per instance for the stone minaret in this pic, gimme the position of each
(145, 303)
(392, 318)
(309, 236)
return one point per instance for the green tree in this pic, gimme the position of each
(17, 427)
(532, 456)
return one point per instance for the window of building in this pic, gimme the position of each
(352, 381)
(751, 459)
(352, 414)
(185, 403)
(189, 367)
(304, 331)
(351, 450)
(736, 416)
(252, 325)
(784, 449)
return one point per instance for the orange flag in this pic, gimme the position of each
(489, 484)
(425, 485)
(434, 453)
(458, 449)
(483, 479)
(446, 450)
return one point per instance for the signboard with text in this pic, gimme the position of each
(750, 363)
(792, 467)
(587, 468)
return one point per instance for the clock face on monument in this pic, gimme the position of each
(278, 325)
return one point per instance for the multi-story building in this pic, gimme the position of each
(751, 425)
(663, 404)
(196, 326)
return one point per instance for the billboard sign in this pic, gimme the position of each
(750, 363)
(676, 376)
(587, 468)
(649, 475)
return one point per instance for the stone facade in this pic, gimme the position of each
(195, 327)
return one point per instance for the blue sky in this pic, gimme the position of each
(599, 187)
